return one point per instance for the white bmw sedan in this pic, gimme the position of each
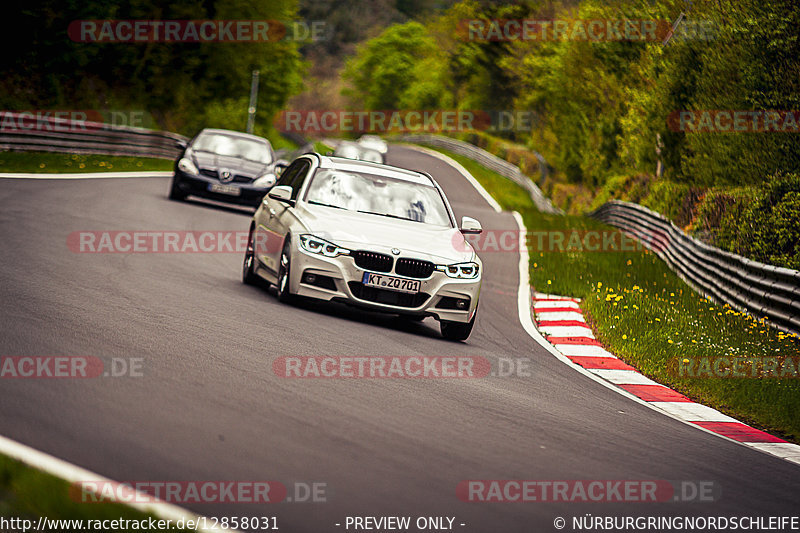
(369, 235)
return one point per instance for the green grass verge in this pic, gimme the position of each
(27, 493)
(643, 313)
(278, 141)
(46, 162)
(322, 148)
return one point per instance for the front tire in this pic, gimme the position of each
(175, 193)
(457, 331)
(284, 273)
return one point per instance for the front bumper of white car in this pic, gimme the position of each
(340, 278)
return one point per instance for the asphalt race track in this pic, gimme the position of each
(209, 406)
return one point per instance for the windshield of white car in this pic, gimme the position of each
(378, 195)
(233, 146)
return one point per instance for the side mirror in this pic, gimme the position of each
(180, 143)
(328, 153)
(470, 226)
(279, 168)
(282, 193)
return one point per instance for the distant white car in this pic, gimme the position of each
(373, 142)
(352, 150)
(369, 235)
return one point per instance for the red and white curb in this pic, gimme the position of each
(561, 321)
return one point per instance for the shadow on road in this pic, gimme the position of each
(426, 328)
(219, 206)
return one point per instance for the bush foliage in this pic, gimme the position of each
(603, 108)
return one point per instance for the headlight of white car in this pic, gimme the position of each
(186, 165)
(460, 270)
(315, 245)
(265, 180)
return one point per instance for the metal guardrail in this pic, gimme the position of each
(51, 134)
(490, 161)
(760, 290)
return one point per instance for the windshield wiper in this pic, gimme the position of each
(314, 202)
(388, 215)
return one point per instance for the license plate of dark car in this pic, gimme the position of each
(391, 283)
(231, 190)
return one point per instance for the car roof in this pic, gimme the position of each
(354, 165)
(233, 133)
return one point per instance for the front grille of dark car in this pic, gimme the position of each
(373, 261)
(382, 296)
(237, 178)
(414, 268)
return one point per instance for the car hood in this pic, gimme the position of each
(216, 162)
(360, 231)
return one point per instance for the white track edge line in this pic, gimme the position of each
(75, 474)
(464, 172)
(86, 175)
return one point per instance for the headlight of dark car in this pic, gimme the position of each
(186, 165)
